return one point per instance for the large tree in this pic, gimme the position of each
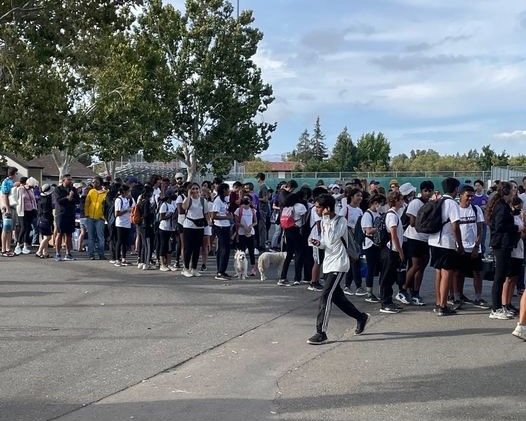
(373, 152)
(318, 148)
(302, 153)
(211, 86)
(344, 153)
(48, 50)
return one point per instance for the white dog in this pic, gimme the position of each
(270, 259)
(240, 264)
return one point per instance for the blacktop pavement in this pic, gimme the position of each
(85, 340)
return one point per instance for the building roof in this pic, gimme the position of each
(50, 170)
(284, 166)
(22, 162)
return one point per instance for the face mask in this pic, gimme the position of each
(516, 211)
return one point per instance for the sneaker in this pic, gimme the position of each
(164, 268)
(347, 291)
(203, 268)
(318, 339)
(371, 298)
(178, 266)
(481, 303)
(140, 266)
(315, 286)
(520, 332)
(284, 283)
(360, 326)
(360, 291)
(125, 263)
(112, 261)
(403, 297)
(509, 313)
(513, 309)
(417, 301)
(195, 273)
(445, 311)
(296, 283)
(389, 308)
(26, 250)
(498, 314)
(58, 258)
(18, 250)
(220, 277)
(172, 268)
(187, 273)
(457, 305)
(69, 257)
(118, 263)
(466, 299)
(256, 252)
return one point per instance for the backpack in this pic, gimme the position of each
(286, 219)
(136, 215)
(429, 217)
(405, 218)
(359, 235)
(353, 250)
(382, 236)
(108, 206)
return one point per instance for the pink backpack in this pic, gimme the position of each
(286, 219)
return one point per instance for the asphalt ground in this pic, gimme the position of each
(85, 340)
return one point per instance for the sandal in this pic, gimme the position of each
(8, 254)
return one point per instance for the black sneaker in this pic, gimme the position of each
(466, 299)
(284, 283)
(457, 305)
(371, 298)
(389, 308)
(360, 326)
(220, 277)
(318, 339)
(203, 268)
(445, 311)
(315, 286)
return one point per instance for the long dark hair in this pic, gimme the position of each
(503, 189)
(222, 191)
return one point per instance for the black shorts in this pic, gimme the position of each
(442, 258)
(468, 265)
(417, 248)
(65, 224)
(515, 267)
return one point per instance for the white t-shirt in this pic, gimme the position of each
(392, 219)
(351, 215)
(195, 211)
(468, 226)
(221, 208)
(299, 211)
(450, 210)
(167, 224)
(368, 219)
(248, 217)
(518, 251)
(123, 204)
(411, 232)
(180, 216)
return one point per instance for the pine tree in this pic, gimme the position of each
(344, 152)
(317, 145)
(302, 153)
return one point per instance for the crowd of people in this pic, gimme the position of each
(173, 224)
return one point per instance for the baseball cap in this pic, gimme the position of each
(374, 182)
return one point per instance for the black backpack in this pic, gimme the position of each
(429, 217)
(359, 235)
(382, 236)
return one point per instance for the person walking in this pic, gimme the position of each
(335, 265)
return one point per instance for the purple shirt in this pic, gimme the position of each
(481, 200)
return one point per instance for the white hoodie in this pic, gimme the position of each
(332, 232)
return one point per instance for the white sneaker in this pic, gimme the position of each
(187, 273)
(18, 249)
(195, 273)
(256, 252)
(140, 266)
(164, 268)
(347, 291)
(26, 250)
(520, 332)
(498, 314)
(172, 268)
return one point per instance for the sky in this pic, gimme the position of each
(447, 75)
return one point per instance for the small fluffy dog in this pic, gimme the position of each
(270, 259)
(241, 264)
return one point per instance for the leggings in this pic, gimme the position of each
(122, 242)
(146, 236)
(502, 263)
(25, 227)
(193, 239)
(248, 243)
(372, 256)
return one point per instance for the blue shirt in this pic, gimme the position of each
(7, 185)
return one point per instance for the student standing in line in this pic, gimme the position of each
(335, 264)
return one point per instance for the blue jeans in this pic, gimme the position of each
(95, 232)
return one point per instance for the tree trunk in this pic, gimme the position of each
(63, 161)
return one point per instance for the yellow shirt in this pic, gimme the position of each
(93, 207)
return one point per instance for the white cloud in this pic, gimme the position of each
(516, 134)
